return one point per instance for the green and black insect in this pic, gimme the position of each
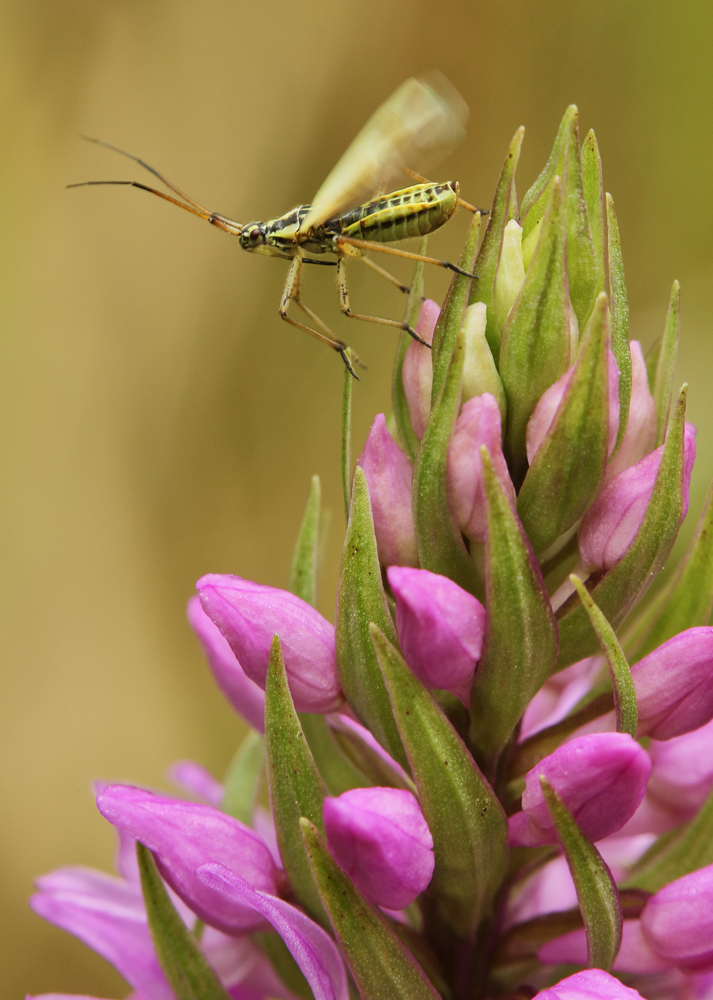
(422, 121)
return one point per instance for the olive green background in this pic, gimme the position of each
(158, 421)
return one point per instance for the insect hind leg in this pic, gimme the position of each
(291, 293)
(345, 306)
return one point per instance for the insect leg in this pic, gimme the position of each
(386, 274)
(346, 308)
(366, 245)
(290, 292)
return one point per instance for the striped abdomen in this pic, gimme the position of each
(401, 215)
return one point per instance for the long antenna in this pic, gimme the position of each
(188, 204)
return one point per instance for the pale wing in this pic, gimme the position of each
(422, 121)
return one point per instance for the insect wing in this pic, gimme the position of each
(422, 121)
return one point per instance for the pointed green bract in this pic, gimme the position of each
(360, 601)
(619, 305)
(662, 389)
(452, 312)
(593, 189)
(537, 341)
(296, 788)
(687, 601)
(335, 768)
(440, 543)
(677, 853)
(381, 965)
(242, 782)
(463, 813)
(486, 264)
(623, 585)
(407, 437)
(183, 962)
(367, 762)
(521, 642)
(568, 469)
(596, 889)
(627, 712)
(534, 204)
(582, 264)
(303, 574)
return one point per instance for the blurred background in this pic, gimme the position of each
(158, 421)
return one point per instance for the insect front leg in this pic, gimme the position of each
(346, 308)
(291, 292)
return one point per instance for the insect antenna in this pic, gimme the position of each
(187, 203)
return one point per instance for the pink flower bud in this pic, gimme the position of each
(197, 782)
(244, 695)
(380, 838)
(682, 775)
(185, 835)
(674, 685)
(612, 522)
(678, 921)
(249, 615)
(640, 435)
(592, 984)
(388, 475)
(601, 778)
(417, 371)
(477, 425)
(440, 628)
(545, 412)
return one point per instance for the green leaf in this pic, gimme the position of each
(534, 204)
(666, 364)
(360, 601)
(303, 574)
(677, 853)
(347, 436)
(242, 782)
(521, 642)
(582, 264)
(184, 964)
(619, 305)
(372, 767)
(618, 590)
(687, 600)
(596, 890)
(568, 469)
(464, 816)
(486, 264)
(382, 966)
(452, 312)
(440, 543)
(537, 344)
(593, 190)
(408, 440)
(627, 712)
(296, 787)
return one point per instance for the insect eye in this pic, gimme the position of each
(254, 235)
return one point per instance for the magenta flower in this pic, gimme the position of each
(611, 523)
(310, 946)
(185, 835)
(635, 954)
(674, 689)
(417, 371)
(440, 628)
(388, 475)
(250, 614)
(478, 424)
(196, 782)
(380, 838)
(246, 697)
(682, 772)
(600, 777)
(592, 984)
(678, 921)
(640, 434)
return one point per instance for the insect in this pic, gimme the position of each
(422, 121)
